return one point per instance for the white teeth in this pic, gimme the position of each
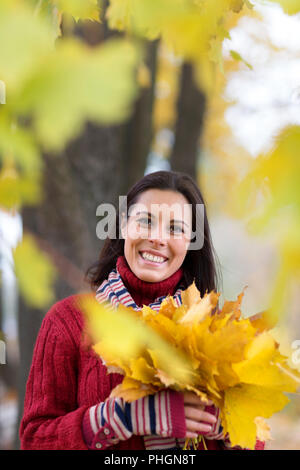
(157, 259)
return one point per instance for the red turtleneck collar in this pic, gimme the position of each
(144, 292)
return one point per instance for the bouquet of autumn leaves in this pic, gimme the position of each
(217, 354)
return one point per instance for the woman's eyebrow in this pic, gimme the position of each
(153, 216)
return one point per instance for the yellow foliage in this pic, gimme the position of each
(84, 10)
(166, 92)
(146, 18)
(124, 335)
(243, 403)
(191, 29)
(263, 321)
(269, 197)
(263, 191)
(27, 39)
(74, 70)
(221, 356)
(17, 189)
(18, 146)
(35, 273)
(55, 87)
(289, 6)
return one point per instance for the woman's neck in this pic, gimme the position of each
(144, 292)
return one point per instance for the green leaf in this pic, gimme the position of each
(79, 9)
(17, 189)
(35, 273)
(18, 143)
(78, 83)
(145, 17)
(25, 40)
(291, 7)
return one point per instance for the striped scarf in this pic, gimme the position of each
(113, 290)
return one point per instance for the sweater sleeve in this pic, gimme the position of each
(161, 414)
(51, 418)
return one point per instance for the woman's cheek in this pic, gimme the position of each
(180, 248)
(133, 232)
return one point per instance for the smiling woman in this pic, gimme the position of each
(155, 245)
(165, 215)
(68, 403)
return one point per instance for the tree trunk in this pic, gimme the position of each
(139, 132)
(190, 117)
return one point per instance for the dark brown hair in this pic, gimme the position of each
(199, 265)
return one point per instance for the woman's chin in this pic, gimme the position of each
(154, 277)
(148, 276)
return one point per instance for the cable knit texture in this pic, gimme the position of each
(64, 381)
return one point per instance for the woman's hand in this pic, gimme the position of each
(197, 420)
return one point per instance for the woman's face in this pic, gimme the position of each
(160, 223)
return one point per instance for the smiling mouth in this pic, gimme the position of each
(148, 261)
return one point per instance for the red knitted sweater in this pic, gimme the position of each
(65, 378)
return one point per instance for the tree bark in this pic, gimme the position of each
(139, 130)
(190, 117)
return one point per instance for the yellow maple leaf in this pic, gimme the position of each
(165, 378)
(263, 366)
(168, 307)
(107, 329)
(141, 370)
(164, 326)
(262, 429)
(227, 343)
(200, 308)
(263, 321)
(220, 356)
(131, 390)
(242, 404)
(226, 376)
(233, 306)
(190, 296)
(201, 394)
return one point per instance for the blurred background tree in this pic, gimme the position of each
(98, 93)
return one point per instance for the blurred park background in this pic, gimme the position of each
(95, 94)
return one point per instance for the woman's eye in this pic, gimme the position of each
(144, 220)
(147, 221)
(177, 228)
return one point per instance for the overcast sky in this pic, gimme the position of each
(267, 98)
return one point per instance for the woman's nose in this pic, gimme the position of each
(158, 234)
